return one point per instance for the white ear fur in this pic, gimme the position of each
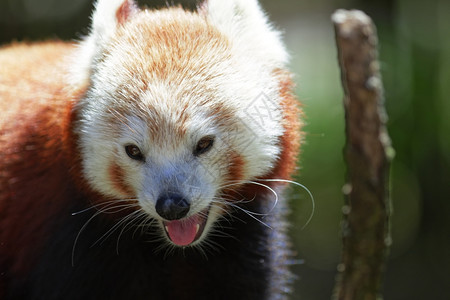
(245, 21)
(107, 16)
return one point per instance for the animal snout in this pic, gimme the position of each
(172, 206)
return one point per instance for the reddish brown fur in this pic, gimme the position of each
(176, 54)
(32, 158)
(117, 176)
(173, 45)
(290, 141)
(38, 146)
(235, 173)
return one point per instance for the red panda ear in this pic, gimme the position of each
(109, 14)
(126, 10)
(245, 22)
(202, 7)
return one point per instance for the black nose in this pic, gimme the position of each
(172, 206)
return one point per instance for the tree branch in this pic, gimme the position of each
(368, 152)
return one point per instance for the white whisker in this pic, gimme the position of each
(305, 188)
(102, 204)
(113, 228)
(258, 182)
(130, 219)
(108, 207)
(252, 215)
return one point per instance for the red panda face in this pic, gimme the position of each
(170, 117)
(175, 163)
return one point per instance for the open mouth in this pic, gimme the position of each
(188, 230)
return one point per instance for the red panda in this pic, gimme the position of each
(147, 161)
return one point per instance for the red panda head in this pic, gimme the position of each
(181, 108)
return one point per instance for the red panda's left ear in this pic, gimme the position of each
(245, 22)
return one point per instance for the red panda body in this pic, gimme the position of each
(79, 220)
(34, 171)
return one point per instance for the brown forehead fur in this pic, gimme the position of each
(179, 49)
(174, 41)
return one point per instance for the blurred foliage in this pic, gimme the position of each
(415, 57)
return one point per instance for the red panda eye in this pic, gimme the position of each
(204, 145)
(134, 152)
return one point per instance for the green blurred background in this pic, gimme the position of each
(415, 59)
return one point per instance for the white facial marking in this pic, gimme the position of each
(128, 104)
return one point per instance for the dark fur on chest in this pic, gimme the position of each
(249, 262)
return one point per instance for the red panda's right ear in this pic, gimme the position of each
(107, 17)
(109, 14)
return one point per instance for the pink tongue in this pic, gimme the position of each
(182, 232)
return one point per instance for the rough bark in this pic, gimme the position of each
(368, 151)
